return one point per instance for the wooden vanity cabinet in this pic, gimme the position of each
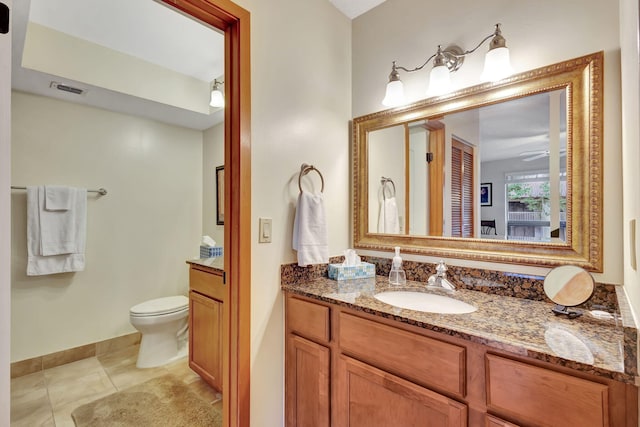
(308, 361)
(207, 294)
(349, 368)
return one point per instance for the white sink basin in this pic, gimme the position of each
(421, 301)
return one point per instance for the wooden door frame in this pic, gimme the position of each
(235, 23)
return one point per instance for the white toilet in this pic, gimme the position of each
(163, 325)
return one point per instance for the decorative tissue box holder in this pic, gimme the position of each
(210, 252)
(342, 272)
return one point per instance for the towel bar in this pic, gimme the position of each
(101, 191)
(305, 169)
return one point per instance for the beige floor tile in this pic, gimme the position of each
(78, 392)
(39, 418)
(84, 381)
(47, 398)
(27, 383)
(122, 370)
(72, 370)
(30, 402)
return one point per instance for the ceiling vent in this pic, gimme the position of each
(67, 88)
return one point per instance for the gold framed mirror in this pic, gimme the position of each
(507, 172)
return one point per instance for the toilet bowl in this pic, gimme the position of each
(163, 325)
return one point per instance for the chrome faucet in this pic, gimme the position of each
(440, 278)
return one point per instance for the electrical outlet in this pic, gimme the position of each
(264, 230)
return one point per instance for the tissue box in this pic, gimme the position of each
(342, 272)
(210, 252)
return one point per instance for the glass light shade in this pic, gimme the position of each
(394, 95)
(217, 99)
(497, 65)
(439, 81)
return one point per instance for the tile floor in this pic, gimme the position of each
(47, 398)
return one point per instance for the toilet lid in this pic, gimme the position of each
(158, 306)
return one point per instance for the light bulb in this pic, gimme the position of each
(217, 99)
(439, 81)
(497, 65)
(394, 95)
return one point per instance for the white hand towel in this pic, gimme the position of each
(310, 233)
(388, 221)
(59, 226)
(58, 198)
(38, 218)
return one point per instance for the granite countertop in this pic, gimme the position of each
(216, 263)
(600, 346)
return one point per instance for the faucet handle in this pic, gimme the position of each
(441, 268)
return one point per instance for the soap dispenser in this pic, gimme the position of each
(397, 275)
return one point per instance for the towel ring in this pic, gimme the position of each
(384, 181)
(305, 169)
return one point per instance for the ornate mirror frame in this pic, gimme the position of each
(583, 79)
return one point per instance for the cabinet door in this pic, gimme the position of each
(369, 397)
(205, 338)
(307, 383)
(491, 421)
(538, 396)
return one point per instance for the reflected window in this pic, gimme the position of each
(530, 206)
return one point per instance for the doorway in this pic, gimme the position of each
(234, 22)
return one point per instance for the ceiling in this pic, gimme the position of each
(198, 53)
(355, 8)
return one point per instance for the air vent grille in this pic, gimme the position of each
(67, 88)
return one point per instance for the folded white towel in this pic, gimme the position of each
(55, 238)
(58, 198)
(388, 221)
(310, 233)
(59, 226)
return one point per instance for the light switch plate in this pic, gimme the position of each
(265, 230)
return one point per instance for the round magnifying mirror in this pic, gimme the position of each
(568, 286)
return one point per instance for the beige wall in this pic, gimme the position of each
(538, 33)
(5, 223)
(138, 236)
(300, 96)
(631, 147)
(212, 156)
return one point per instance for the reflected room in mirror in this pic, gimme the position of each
(518, 145)
(497, 172)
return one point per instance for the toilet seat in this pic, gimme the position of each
(160, 306)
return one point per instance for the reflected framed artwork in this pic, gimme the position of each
(486, 196)
(220, 195)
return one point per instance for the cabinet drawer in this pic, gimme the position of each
(421, 359)
(208, 284)
(543, 397)
(368, 396)
(308, 319)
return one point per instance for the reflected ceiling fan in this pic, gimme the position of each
(538, 154)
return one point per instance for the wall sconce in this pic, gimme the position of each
(217, 97)
(496, 67)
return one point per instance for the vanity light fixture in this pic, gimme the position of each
(445, 61)
(217, 97)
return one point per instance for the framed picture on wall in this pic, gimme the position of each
(486, 196)
(220, 195)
